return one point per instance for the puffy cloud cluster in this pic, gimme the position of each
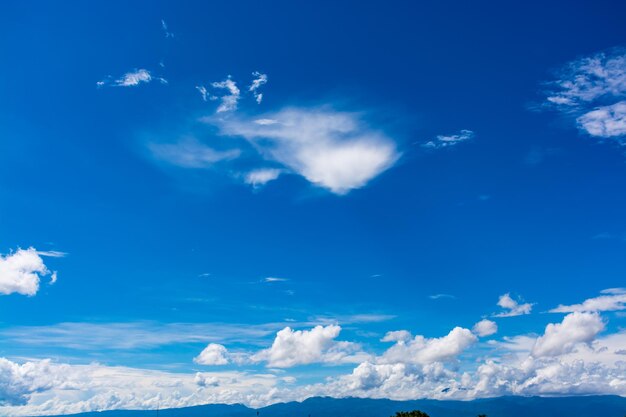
(213, 354)
(513, 308)
(560, 338)
(22, 270)
(592, 89)
(301, 347)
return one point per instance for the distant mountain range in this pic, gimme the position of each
(591, 406)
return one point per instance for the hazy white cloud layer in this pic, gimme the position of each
(570, 357)
(21, 271)
(332, 149)
(593, 89)
(190, 153)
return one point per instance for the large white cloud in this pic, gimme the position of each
(213, 354)
(21, 272)
(422, 350)
(301, 347)
(560, 338)
(613, 299)
(331, 149)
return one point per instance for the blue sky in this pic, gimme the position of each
(395, 167)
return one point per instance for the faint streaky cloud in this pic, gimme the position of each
(190, 153)
(257, 82)
(605, 121)
(260, 177)
(203, 92)
(332, 149)
(442, 141)
(131, 79)
(513, 307)
(274, 279)
(230, 100)
(612, 299)
(168, 34)
(52, 253)
(438, 296)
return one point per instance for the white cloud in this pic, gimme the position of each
(203, 92)
(442, 141)
(213, 354)
(397, 336)
(131, 79)
(331, 149)
(274, 279)
(301, 347)
(605, 121)
(614, 299)
(421, 350)
(438, 296)
(590, 79)
(190, 153)
(514, 307)
(560, 338)
(22, 270)
(262, 176)
(257, 82)
(230, 100)
(485, 328)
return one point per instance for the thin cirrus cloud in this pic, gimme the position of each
(444, 141)
(258, 81)
(592, 90)
(229, 101)
(512, 307)
(21, 271)
(331, 149)
(190, 153)
(131, 79)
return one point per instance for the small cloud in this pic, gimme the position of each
(513, 308)
(612, 299)
(204, 275)
(21, 272)
(438, 296)
(485, 328)
(605, 121)
(52, 253)
(131, 79)
(203, 92)
(443, 141)
(275, 279)
(168, 34)
(260, 177)
(258, 81)
(230, 100)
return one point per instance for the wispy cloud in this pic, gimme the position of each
(190, 153)
(612, 299)
(443, 141)
(438, 296)
(262, 176)
(131, 79)
(258, 81)
(274, 279)
(592, 90)
(166, 31)
(228, 101)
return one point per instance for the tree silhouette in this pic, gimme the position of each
(414, 413)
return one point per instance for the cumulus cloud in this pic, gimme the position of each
(513, 308)
(228, 101)
(485, 328)
(331, 149)
(258, 81)
(301, 347)
(443, 141)
(605, 121)
(422, 350)
(397, 336)
(190, 153)
(613, 299)
(560, 338)
(259, 177)
(213, 354)
(22, 270)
